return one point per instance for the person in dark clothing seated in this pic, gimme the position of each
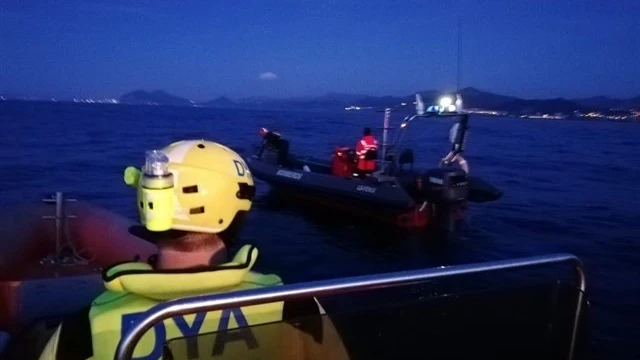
(276, 142)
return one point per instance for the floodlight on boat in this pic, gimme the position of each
(445, 102)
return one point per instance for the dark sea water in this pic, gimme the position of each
(569, 186)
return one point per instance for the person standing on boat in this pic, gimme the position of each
(192, 198)
(455, 155)
(366, 151)
(275, 141)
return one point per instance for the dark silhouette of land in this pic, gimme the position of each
(473, 99)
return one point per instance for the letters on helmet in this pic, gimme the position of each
(241, 168)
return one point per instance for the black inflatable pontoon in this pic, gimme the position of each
(395, 193)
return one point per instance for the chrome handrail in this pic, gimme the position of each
(206, 303)
(60, 221)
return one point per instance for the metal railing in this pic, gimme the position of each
(60, 220)
(207, 303)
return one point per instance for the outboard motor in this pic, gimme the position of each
(406, 157)
(446, 185)
(447, 190)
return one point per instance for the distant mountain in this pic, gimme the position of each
(315, 103)
(256, 100)
(472, 98)
(632, 103)
(157, 97)
(326, 102)
(378, 102)
(599, 102)
(221, 102)
(341, 97)
(604, 102)
(550, 106)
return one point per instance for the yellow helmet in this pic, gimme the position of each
(211, 184)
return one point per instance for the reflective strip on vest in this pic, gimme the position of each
(367, 146)
(111, 320)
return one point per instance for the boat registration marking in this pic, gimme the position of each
(367, 189)
(289, 174)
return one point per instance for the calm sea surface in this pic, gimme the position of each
(569, 186)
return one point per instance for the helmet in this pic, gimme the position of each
(211, 185)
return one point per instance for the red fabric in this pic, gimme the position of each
(342, 164)
(366, 143)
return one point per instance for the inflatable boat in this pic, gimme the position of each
(397, 194)
(447, 308)
(51, 256)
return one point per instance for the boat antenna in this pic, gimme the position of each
(458, 100)
(458, 57)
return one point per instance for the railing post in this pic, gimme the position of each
(576, 320)
(60, 221)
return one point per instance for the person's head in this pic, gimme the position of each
(366, 131)
(212, 192)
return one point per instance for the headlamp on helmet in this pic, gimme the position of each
(156, 188)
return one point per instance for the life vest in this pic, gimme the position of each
(365, 144)
(134, 287)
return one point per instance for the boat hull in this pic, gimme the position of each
(346, 190)
(382, 203)
(30, 288)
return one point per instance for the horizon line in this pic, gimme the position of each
(10, 94)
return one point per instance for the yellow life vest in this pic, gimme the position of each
(133, 288)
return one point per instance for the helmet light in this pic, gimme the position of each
(156, 163)
(156, 203)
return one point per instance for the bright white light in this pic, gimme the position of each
(445, 101)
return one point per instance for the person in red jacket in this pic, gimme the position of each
(366, 160)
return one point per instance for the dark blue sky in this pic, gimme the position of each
(204, 49)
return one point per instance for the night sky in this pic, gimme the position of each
(204, 49)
